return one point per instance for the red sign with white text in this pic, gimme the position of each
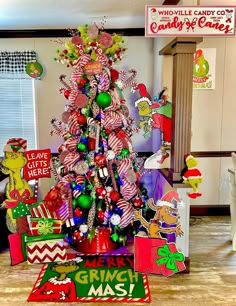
(189, 21)
(38, 164)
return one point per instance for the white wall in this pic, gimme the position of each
(213, 123)
(50, 104)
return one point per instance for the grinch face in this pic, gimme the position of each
(14, 160)
(191, 163)
(144, 109)
(65, 268)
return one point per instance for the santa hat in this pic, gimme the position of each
(171, 199)
(15, 145)
(188, 156)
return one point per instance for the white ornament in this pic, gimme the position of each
(83, 228)
(115, 219)
(110, 154)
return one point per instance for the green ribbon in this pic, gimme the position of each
(169, 258)
(45, 227)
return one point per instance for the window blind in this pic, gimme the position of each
(17, 111)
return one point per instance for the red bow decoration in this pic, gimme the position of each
(16, 198)
(53, 199)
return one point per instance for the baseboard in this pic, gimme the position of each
(210, 210)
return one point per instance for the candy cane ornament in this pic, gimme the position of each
(61, 79)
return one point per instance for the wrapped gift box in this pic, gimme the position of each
(47, 248)
(40, 210)
(42, 226)
(156, 256)
(145, 254)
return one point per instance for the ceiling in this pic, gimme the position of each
(61, 14)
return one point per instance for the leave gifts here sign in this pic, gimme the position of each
(189, 21)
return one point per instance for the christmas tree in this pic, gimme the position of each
(98, 182)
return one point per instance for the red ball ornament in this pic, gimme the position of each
(114, 196)
(78, 213)
(100, 160)
(66, 93)
(114, 75)
(77, 236)
(81, 119)
(101, 215)
(101, 192)
(138, 202)
(91, 144)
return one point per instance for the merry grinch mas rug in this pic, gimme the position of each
(91, 279)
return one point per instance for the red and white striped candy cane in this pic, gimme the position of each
(129, 82)
(103, 23)
(123, 75)
(57, 127)
(61, 79)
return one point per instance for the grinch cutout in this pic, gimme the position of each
(192, 176)
(166, 215)
(155, 114)
(61, 286)
(12, 164)
(21, 166)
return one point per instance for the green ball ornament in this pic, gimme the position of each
(81, 147)
(115, 237)
(84, 201)
(103, 99)
(125, 152)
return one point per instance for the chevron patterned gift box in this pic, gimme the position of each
(47, 248)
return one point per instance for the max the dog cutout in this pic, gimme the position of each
(166, 212)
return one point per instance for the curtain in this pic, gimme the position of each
(15, 62)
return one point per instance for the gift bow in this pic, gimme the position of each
(45, 227)
(15, 198)
(169, 258)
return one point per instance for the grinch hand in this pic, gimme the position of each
(192, 176)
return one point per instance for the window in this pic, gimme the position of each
(17, 112)
(17, 107)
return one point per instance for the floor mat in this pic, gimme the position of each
(91, 279)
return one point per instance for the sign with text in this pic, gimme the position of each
(38, 164)
(91, 279)
(189, 21)
(204, 63)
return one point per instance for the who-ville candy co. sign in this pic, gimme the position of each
(189, 21)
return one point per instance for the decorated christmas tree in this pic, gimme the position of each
(98, 175)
